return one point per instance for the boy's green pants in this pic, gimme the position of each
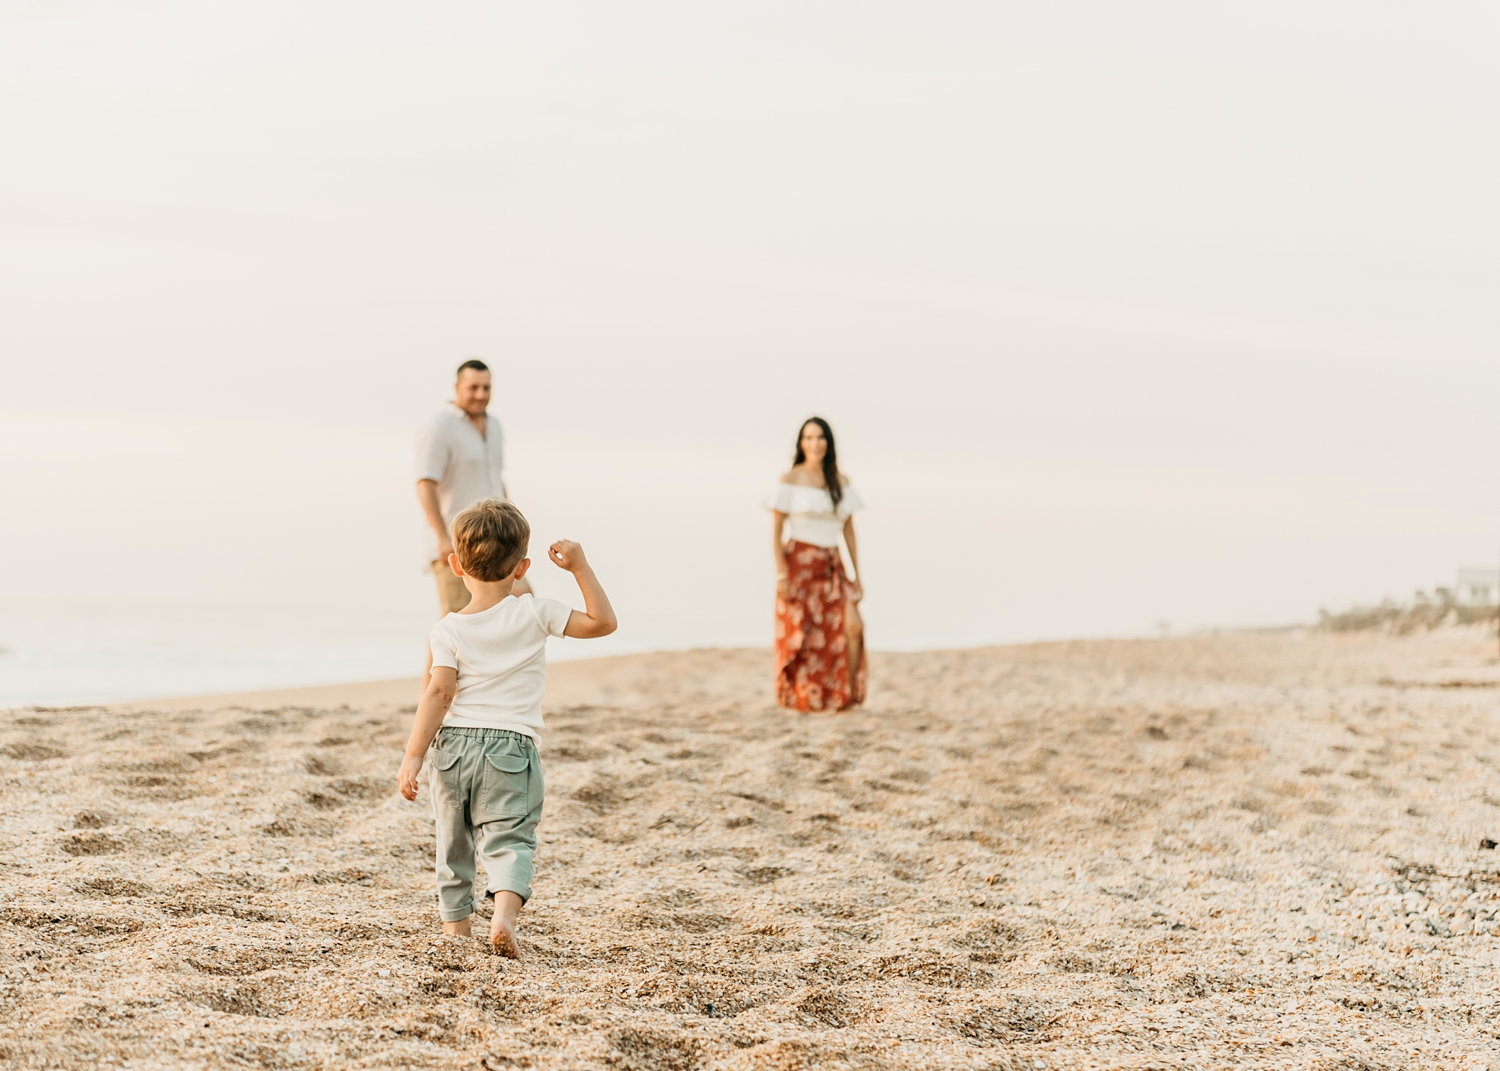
(486, 789)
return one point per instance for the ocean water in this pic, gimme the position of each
(61, 657)
(65, 656)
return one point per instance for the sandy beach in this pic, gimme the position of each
(1247, 850)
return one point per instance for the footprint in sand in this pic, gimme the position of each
(91, 842)
(112, 887)
(32, 751)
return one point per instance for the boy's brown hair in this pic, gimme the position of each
(490, 539)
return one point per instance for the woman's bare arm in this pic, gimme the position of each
(778, 552)
(853, 545)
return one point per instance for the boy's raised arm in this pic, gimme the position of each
(430, 713)
(598, 616)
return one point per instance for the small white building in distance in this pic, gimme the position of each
(1478, 587)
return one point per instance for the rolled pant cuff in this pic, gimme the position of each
(455, 914)
(524, 892)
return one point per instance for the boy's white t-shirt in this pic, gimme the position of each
(501, 658)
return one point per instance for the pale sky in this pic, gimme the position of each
(1122, 313)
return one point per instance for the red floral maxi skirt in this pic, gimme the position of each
(812, 652)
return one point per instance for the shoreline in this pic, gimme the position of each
(567, 679)
(575, 681)
(569, 683)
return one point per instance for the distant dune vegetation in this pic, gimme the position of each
(1424, 612)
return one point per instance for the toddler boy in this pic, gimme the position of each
(481, 714)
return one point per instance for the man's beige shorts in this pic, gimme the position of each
(452, 595)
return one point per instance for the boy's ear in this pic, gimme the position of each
(520, 570)
(458, 570)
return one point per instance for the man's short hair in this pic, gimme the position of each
(490, 539)
(473, 364)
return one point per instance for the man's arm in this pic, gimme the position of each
(427, 495)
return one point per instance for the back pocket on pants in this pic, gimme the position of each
(504, 781)
(442, 764)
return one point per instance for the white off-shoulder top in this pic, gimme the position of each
(811, 517)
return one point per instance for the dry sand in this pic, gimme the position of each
(1256, 850)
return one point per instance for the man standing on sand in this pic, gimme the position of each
(458, 463)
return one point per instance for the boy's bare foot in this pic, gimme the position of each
(503, 925)
(503, 939)
(461, 928)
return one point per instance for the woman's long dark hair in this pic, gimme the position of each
(830, 459)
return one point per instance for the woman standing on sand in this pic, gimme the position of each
(820, 649)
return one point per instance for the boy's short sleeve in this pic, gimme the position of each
(551, 615)
(444, 650)
(432, 452)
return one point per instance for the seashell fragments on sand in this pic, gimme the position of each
(1257, 850)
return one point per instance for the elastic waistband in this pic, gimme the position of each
(477, 733)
